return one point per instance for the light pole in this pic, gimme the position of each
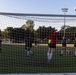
(64, 10)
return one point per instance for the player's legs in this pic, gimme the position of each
(68, 51)
(29, 51)
(49, 54)
(30, 46)
(51, 50)
(35, 44)
(62, 50)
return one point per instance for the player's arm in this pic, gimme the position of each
(44, 39)
(57, 33)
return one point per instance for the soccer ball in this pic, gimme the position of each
(49, 41)
(75, 8)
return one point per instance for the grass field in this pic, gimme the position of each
(13, 59)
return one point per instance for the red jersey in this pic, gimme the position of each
(53, 37)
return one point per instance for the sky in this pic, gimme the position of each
(37, 6)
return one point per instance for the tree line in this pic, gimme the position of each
(19, 34)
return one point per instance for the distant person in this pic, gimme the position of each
(51, 44)
(28, 45)
(75, 47)
(64, 48)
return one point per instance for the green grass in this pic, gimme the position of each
(13, 59)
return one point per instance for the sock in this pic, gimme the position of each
(31, 52)
(28, 52)
(49, 56)
(68, 51)
(62, 51)
(75, 53)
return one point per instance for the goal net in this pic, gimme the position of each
(19, 27)
(48, 22)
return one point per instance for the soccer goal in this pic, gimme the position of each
(21, 56)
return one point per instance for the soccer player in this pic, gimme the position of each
(64, 48)
(0, 41)
(28, 45)
(51, 44)
(75, 47)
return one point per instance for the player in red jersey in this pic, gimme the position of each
(51, 44)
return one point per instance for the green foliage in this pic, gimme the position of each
(71, 29)
(19, 34)
(29, 25)
(45, 31)
(6, 32)
(28, 29)
(70, 33)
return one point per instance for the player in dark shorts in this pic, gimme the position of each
(64, 48)
(28, 45)
(75, 47)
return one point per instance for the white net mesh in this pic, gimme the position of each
(14, 57)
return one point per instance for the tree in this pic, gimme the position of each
(44, 31)
(7, 31)
(70, 33)
(29, 25)
(67, 26)
(23, 26)
(17, 34)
